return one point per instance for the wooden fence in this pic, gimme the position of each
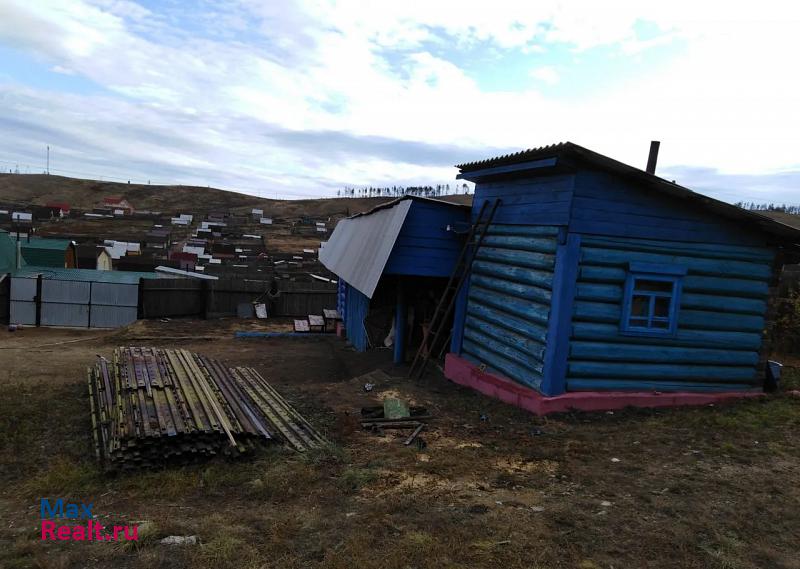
(167, 298)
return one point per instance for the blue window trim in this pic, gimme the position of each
(657, 272)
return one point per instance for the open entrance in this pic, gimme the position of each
(414, 300)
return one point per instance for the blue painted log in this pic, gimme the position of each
(691, 283)
(685, 338)
(577, 384)
(503, 348)
(480, 355)
(735, 304)
(660, 371)
(522, 230)
(534, 330)
(542, 279)
(400, 326)
(603, 351)
(588, 311)
(599, 292)
(704, 250)
(613, 293)
(538, 245)
(523, 291)
(705, 320)
(508, 304)
(524, 344)
(517, 258)
(740, 269)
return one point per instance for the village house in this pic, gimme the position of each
(118, 203)
(600, 285)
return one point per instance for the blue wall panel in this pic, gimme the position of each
(507, 306)
(356, 309)
(543, 200)
(720, 318)
(424, 246)
(605, 204)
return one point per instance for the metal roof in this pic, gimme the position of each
(181, 273)
(87, 275)
(360, 245)
(48, 244)
(394, 202)
(569, 155)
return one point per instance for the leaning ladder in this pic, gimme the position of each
(447, 301)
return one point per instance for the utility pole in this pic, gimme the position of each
(48, 159)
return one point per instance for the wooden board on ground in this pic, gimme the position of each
(316, 322)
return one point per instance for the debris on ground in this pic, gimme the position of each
(151, 406)
(395, 409)
(179, 540)
(395, 414)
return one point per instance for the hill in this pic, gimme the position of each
(39, 189)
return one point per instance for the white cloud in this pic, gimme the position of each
(200, 94)
(546, 74)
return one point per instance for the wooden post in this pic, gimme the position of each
(38, 299)
(400, 326)
(204, 286)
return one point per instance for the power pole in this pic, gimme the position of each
(48, 159)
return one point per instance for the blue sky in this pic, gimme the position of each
(302, 98)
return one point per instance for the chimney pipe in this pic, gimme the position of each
(653, 157)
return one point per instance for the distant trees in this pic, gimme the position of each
(784, 208)
(428, 191)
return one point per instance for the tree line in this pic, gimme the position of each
(399, 191)
(784, 208)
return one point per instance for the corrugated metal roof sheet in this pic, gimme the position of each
(360, 245)
(45, 252)
(570, 154)
(48, 244)
(57, 273)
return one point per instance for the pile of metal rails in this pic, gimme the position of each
(152, 407)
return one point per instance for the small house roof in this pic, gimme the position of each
(62, 274)
(568, 156)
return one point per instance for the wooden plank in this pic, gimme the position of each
(539, 278)
(532, 346)
(508, 304)
(507, 322)
(655, 353)
(511, 288)
(579, 384)
(721, 267)
(750, 341)
(661, 371)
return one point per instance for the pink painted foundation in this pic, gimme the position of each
(463, 372)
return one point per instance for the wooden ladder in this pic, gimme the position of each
(463, 266)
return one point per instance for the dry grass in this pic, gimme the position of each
(709, 487)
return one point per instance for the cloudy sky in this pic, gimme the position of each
(301, 98)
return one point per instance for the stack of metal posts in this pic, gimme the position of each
(151, 407)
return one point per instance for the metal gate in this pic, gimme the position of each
(23, 301)
(73, 303)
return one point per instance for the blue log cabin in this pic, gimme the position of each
(599, 285)
(392, 263)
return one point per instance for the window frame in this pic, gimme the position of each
(654, 272)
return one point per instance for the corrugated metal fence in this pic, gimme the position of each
(208, 299)
(49, 302)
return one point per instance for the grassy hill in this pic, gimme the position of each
(39, 189)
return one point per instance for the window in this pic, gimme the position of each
(652, 299)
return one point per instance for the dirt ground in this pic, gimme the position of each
(492, 486)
